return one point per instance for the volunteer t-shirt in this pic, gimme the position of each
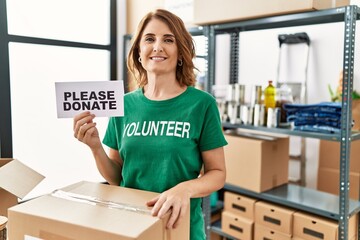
(161, 142)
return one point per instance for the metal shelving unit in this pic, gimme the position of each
(334, 207)
(285, 131)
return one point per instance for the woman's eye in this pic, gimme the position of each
(149, 39)
(169, 40)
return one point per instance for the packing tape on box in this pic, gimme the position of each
(100, 202)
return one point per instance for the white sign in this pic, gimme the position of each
(102, 98)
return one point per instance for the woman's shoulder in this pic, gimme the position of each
(134, 93)
(201, 94)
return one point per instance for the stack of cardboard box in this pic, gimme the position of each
(251, 219)
(273, 221)
(237, 217)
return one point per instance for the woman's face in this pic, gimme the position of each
(158, 48)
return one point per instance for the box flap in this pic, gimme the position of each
(4, 161)
(18, 179)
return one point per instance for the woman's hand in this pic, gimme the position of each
(85, 130)
(176, 199)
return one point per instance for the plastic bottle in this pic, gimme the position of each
(269, 96)
(284, 97)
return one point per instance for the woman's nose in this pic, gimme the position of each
(158, 47)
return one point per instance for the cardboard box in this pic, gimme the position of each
(215, 236)
(16, 181)
(211, 11)
(255, 164)
(236, 226)
(329, 155)
(329, 181)
(275, 217)
(92, 211)
(262, 232)
(136, 10)
(312, 227)
(239, 205)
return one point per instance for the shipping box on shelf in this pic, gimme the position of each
(329, 164)
(236, 226)
(211, 11)
(329, 155)
(92, 211)
(256, 164)
(262, 232)
(275, 217)
(16, 181)
(239, 204)
(310, 227)
(329, 181)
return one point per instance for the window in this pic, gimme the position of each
(45, 42)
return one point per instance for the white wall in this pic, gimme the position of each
(259, 54)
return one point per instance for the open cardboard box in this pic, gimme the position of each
(92, 211)
(16, 181)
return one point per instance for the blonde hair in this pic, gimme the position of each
(185, 73)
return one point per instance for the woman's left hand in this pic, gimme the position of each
(176, 199)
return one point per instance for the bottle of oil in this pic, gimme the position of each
(269, 102)
(269, 96)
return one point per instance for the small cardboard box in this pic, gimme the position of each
(275, 217)
(312, 227)
(92, 211)
(329, 155)
(212, 11)
(329, 179)
(16, 181)
(239, 205)
(255, 164)
(236, 226)
(262, 232)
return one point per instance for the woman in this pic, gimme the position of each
(169, 131)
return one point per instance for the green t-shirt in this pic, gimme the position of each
(161, 142)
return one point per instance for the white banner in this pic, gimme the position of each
(102, 98)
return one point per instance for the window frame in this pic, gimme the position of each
(6, 143)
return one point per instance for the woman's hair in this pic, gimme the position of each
(185, 73)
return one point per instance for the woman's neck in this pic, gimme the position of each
(162, 88)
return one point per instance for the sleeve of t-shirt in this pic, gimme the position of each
(111, 138)
(212, 135)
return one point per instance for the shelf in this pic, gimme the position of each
(287, 20)
(301, 198)
(288, 131)
(216, 228)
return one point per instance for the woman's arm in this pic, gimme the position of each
(85, 131)
(178, 198)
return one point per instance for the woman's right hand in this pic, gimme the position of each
(85, 130)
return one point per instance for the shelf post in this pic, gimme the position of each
(209, 33)
(346, 118)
